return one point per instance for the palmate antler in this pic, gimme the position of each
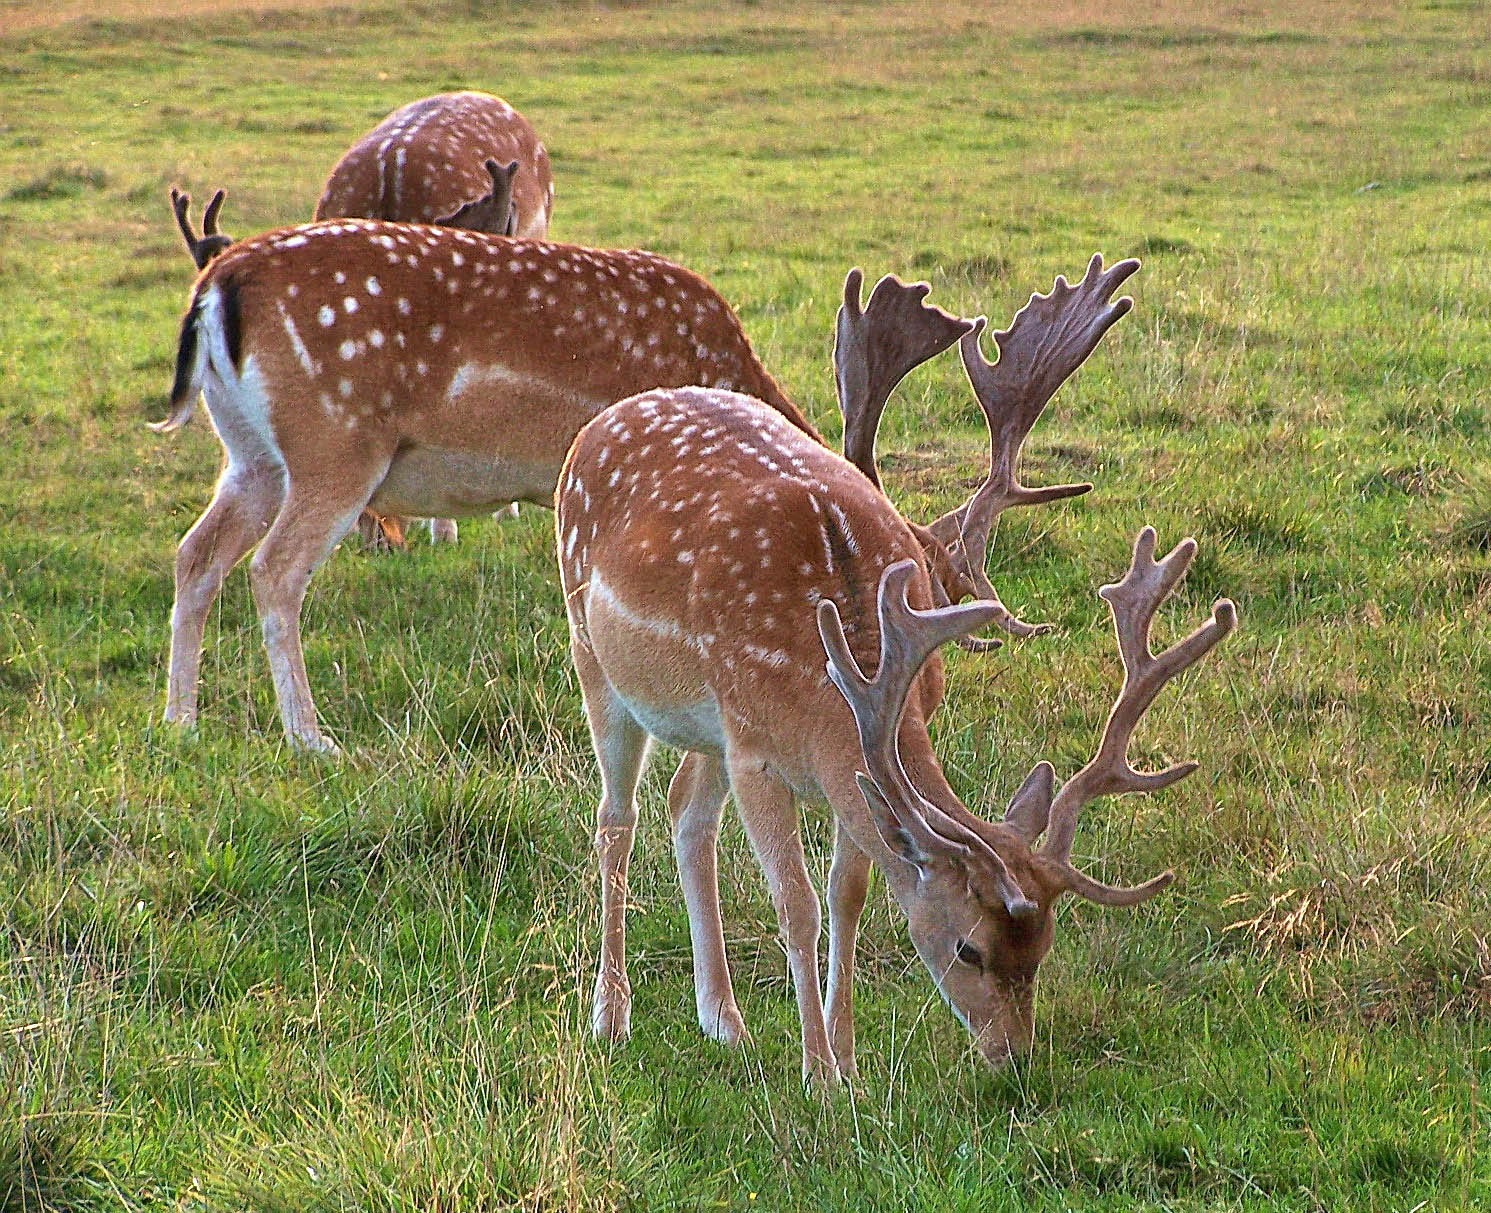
(211, 242)
(1133, 602)
(876, 347)
(907, 638)
(1049, 338)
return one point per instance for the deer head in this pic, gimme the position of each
(211, 242)
(979, 907)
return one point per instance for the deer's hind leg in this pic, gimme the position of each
(695, 798)
(620, 748)
(327, 492)
(249, 492)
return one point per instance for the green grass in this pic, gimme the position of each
(232, 977)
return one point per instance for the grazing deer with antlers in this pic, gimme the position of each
(424, 371)
(698, 536)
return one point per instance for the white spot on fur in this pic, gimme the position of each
(302, 355)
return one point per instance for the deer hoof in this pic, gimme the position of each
(724, 1023)
(611, 1019)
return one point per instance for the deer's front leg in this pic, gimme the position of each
(848, 882)
(695, 798)
(770, 817)
(620, 745)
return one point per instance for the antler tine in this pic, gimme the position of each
(180, 203)
(876, 347)
(1133, 602)
(207, 246)
(1049, 338)
(209, 216)
(907, 638)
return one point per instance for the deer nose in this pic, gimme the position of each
(1000, 1042)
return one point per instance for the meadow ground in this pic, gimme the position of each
(233, 977)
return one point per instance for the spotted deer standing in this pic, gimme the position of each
(701, 537)
(422, 371)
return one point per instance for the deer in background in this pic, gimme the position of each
(424, 162)
(436, 160)
(465, 159)
(699, 536)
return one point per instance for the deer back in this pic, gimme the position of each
(426, 160)
(433, 335)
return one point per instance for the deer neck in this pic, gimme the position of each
(767, 391)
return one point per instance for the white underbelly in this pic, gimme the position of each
(430, 482)
(694, 726)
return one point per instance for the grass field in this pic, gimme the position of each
(232, 977)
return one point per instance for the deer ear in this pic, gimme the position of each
(892, 832)
(1030, 807)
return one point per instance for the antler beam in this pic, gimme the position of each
(907, 638)
(1049, 338)
(1133, 603)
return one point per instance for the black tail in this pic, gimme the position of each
(188, 381)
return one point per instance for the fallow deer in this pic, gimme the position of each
(699, 536)
(436, 160)
(424, 162)
(424, 371)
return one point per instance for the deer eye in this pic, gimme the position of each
(969, 954)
